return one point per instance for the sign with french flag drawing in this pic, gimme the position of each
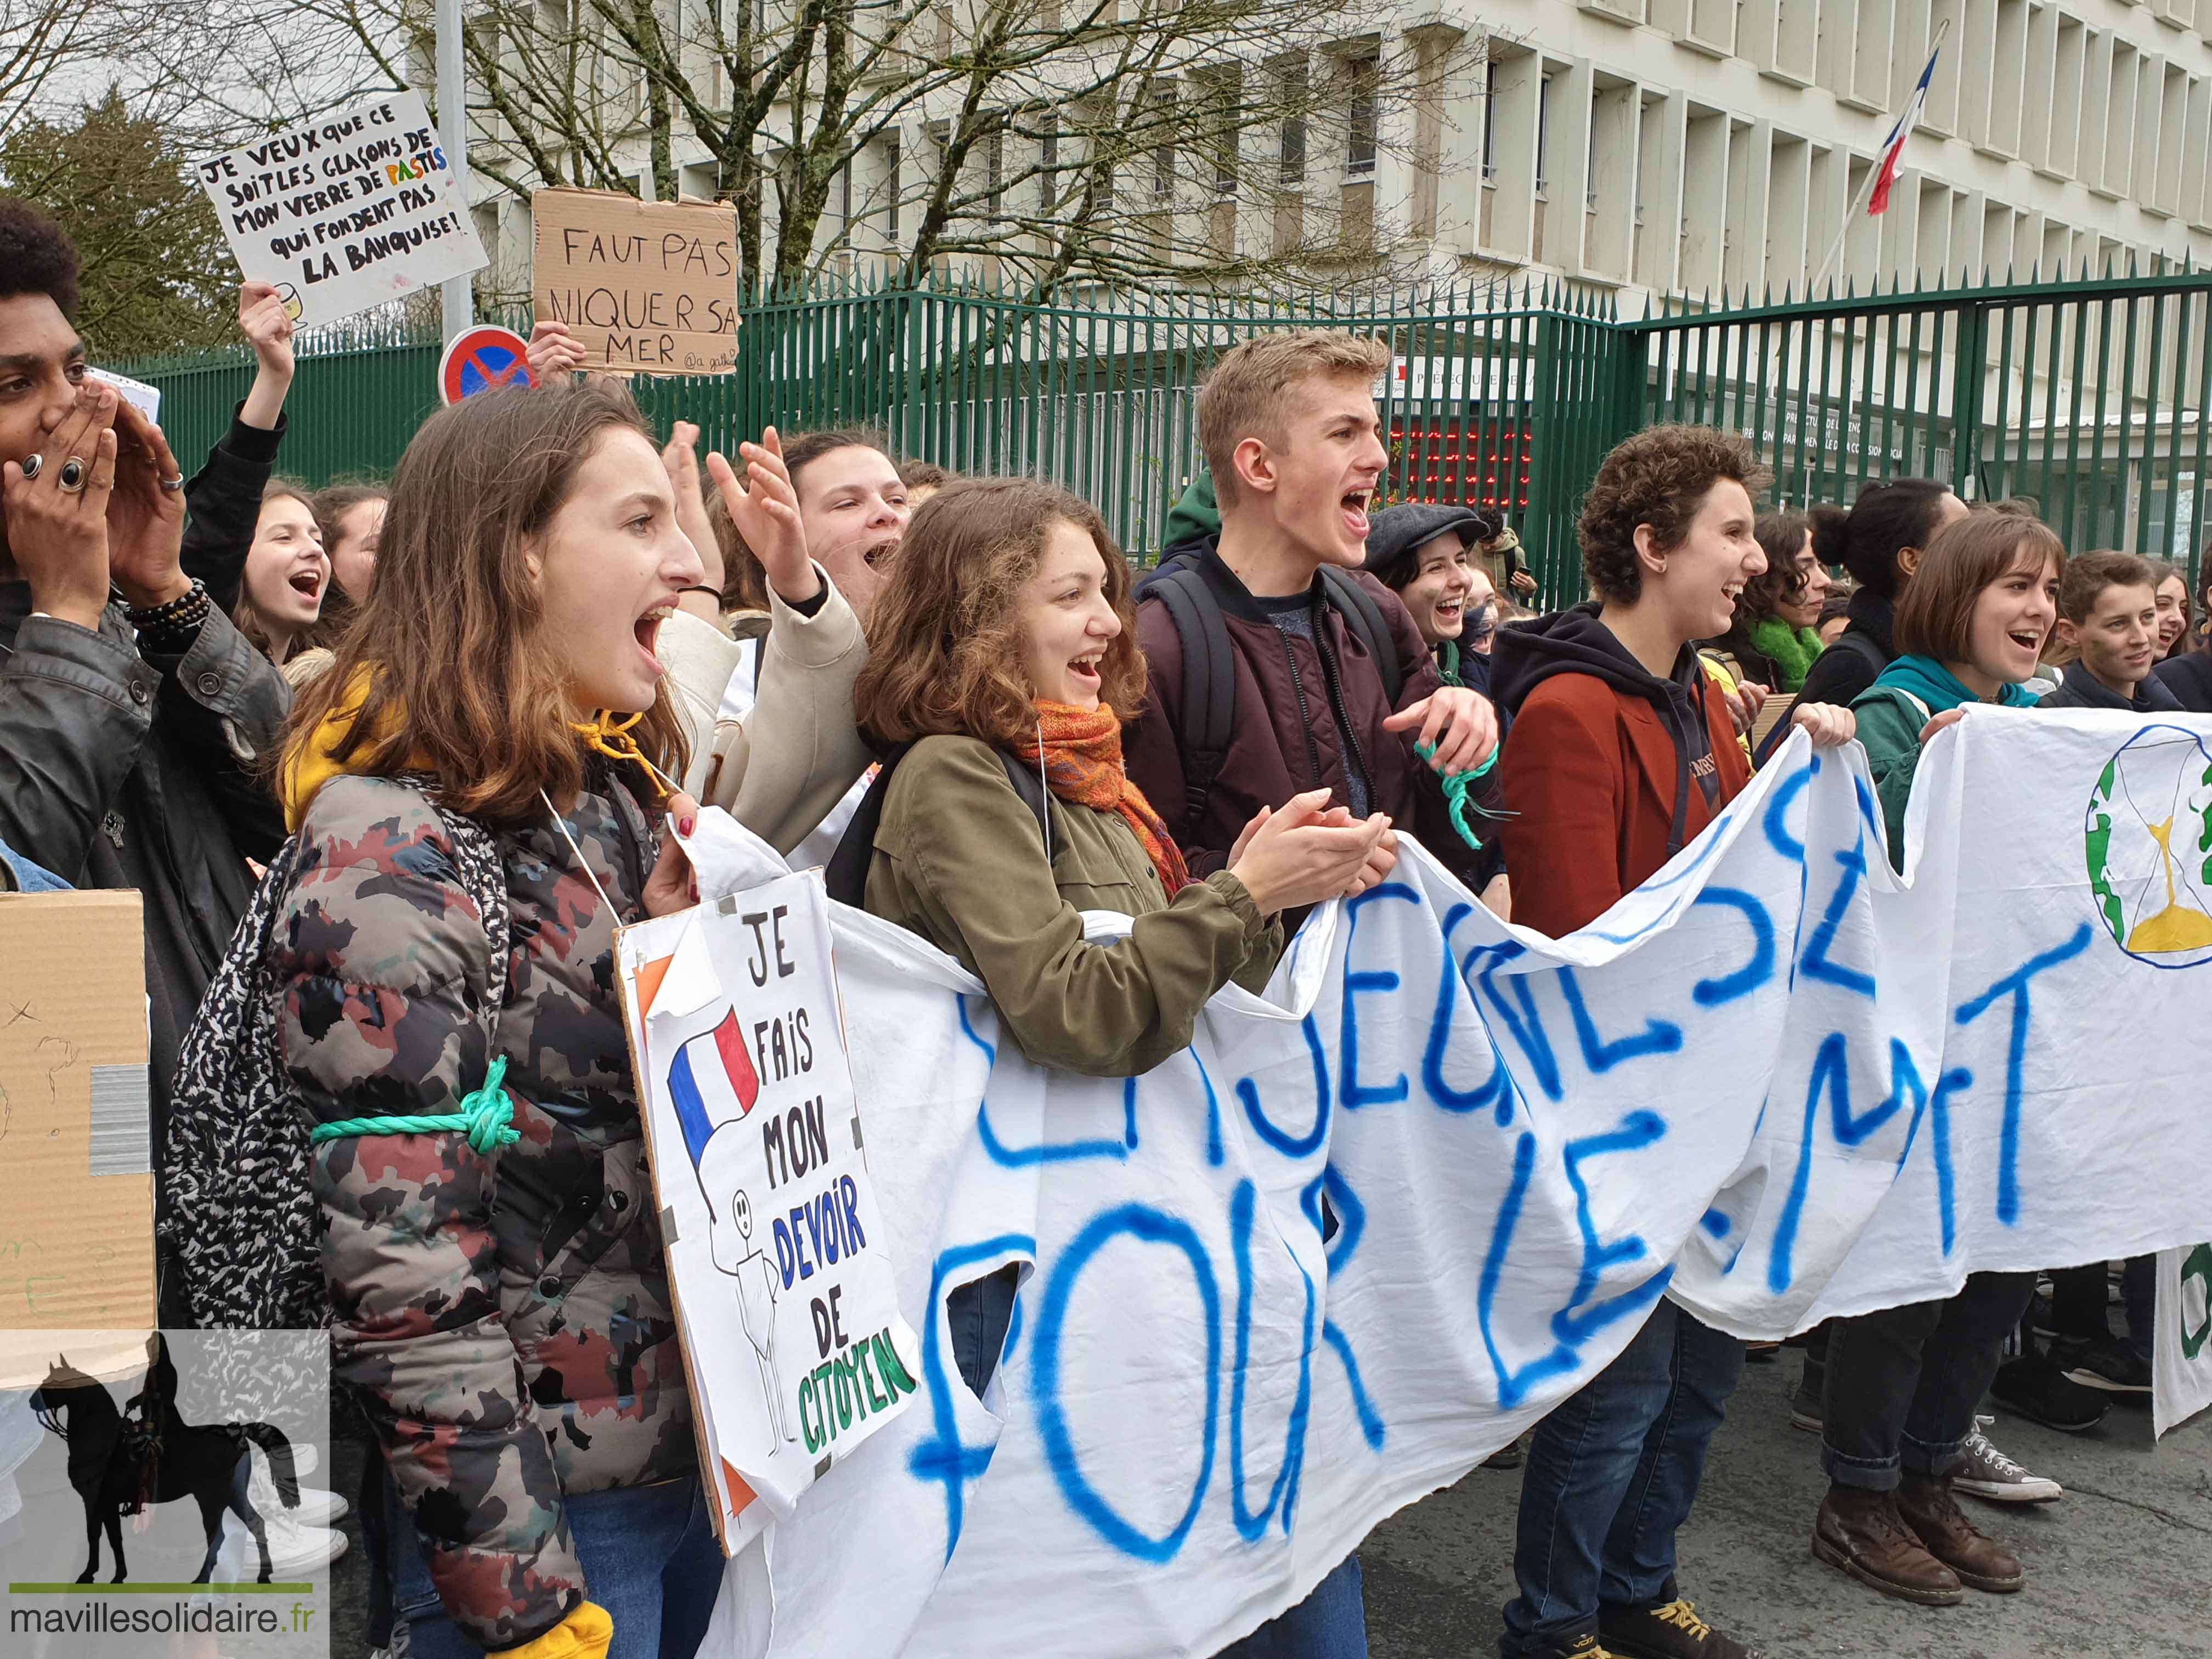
(783, 1274)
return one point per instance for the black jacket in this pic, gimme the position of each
(1852, 664)
(223, 502)
(2080, 689)
(128, 769)
(2188, 678)
(123, 770)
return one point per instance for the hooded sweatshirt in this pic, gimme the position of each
(1608, 770)
(1195, 517)
(1892, 713)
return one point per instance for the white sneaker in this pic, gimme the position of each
(293, 1549)
(316, 1507)
(1989, 1473)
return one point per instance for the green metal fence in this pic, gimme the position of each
(2090, 396)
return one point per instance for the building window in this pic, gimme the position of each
(995, 171)
(1049, 165)
(1489, 122)
(1543, 135)
(1364, 75)
(1164, 168)
(892, 182)
(1291, 84)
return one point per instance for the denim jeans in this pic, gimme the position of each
(2080, 1301)
(979, 1314)
(1330, 1624)
(1903, 1383)
(1612, 1473)
(649, 1558)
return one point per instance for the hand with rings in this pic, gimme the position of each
(57, 511)
(146, 515)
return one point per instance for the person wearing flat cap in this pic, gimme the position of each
(1428, 555)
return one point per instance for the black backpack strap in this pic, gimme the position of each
(1209, 679)
(1358, 608)
(846, 875)
(1029, 784)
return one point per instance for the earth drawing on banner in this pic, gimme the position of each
(2148, 837)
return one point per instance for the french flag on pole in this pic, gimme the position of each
(713, 1082)
(1893, 155)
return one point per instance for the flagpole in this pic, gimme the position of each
(1859, 199)
(1865, 190)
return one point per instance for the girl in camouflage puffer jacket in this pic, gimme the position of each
(500, 1289)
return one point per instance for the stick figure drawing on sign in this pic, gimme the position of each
(715, 1088)
(758, 1283)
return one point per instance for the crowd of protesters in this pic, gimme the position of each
(453, 716)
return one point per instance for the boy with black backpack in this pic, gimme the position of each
(1277, 664)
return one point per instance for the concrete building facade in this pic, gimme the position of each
(1660, 147)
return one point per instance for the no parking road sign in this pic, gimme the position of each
(482, 359)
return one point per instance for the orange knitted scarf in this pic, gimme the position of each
(1081, 753)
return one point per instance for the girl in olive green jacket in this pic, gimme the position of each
(1004, 639)
(1004, 631)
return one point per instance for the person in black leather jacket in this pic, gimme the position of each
(130, 709)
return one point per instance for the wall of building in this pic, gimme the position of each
(1670, 147)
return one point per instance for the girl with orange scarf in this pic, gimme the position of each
(1004, 631)
(1003, 646)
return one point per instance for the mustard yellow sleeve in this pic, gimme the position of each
(586, 1633)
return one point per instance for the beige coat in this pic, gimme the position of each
(781, 768)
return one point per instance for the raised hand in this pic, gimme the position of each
(267, 326)
(56, 515)
(765, 510)
(145, 522)
(553, 352)
(680, 458)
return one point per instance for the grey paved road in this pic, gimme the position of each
(2120, 1568)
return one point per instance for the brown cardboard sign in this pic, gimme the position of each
(76, 1173)
(650, 288)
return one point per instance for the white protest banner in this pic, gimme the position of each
(346, 211)
(1366, 1229)
(792, 1329)
(2181, 1353)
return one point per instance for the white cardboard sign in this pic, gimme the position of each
(783, 1281)
(346, 211)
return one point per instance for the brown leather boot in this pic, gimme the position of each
(1928, 1509)
(1861, 1532)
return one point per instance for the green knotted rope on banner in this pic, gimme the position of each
(486, 1117)
(1459, 791)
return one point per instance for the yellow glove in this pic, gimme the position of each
(584, 1634)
